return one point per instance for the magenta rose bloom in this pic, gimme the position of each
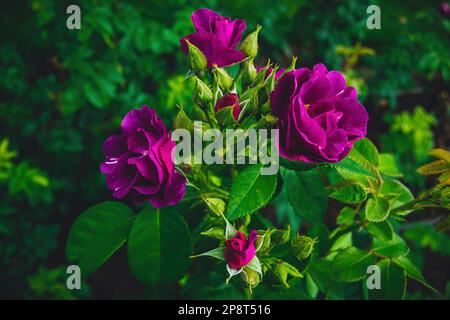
(228, 100)
(240, 251)
(138, 162)
(217, 37)
(319, 115)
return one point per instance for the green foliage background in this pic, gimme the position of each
(62, 92)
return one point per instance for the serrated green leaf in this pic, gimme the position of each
(441, 154)
(307, 194)
(97, 233)
(365, 150)
(351, 264)
(159, 246)
(401, 194)
(351, 170)
(377, 209)
(349, 193)
(392, 248)
(393, 282)
(381, 230)
(412, 271)
(250, 191)
(436, 167)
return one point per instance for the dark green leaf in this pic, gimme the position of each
(307, 194)
(393, 282)
(381, 230)
(97, 233)
(159, 246)
(351, 264)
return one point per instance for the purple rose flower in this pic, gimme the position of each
(228, 100)
(319, 115)
(278, 74)
(445, 9)
(217, 37)
(240, 251)
(138, 162)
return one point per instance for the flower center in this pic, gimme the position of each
(307, 106)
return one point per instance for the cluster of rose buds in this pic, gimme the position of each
(317, 114)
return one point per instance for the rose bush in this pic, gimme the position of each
(322, 128)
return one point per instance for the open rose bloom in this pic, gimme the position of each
(217, 37)
(319, 115)
(138, 161)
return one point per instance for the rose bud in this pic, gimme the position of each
(217, 37)
(240, 251)
(224, 80)
(202, 94)
(196, 59)
(250, 45)
(319, 115)
(139, 161)
(229, 100)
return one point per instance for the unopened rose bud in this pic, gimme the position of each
(215, 232)
(224, 80)
(202, 94)
(215, 205)
(302, 247)
(250, 45)
(251, 277)
(283, 269)
(249, 72)
(196, 59)
(281, 236)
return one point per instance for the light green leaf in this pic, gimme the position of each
(217, 253)
(381, 230)
(159, 246)
(388, 165)
(346, 216)
(311, 286)
(393, 282)
(97, 233)
(401, 194)
(307, 194)
(349, 193)
(250, 191)
(392, 248)
(351, 170)
(351, 264)
(365, 150)
(377, 209)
